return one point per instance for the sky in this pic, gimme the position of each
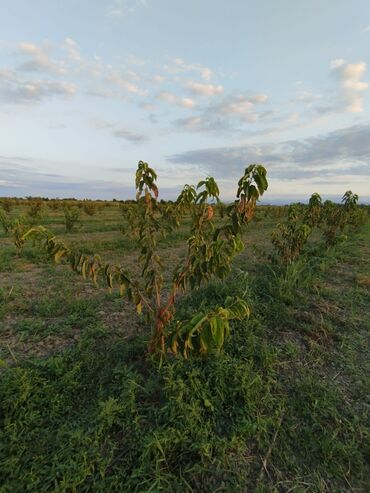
(194, 87)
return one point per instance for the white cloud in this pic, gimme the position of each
(73, 50)
(180, 66)
(179, 61)
(169, 97)
(240, 105)
(38, 59)
(352, 88)
(125, 84)
(135, 60)
(204, 89)
(230, 113)
(15, 90)
(158, 79)
(307, 97)
(206, 73)
(186, 103)
(258, 98)
(120, 8)
(119, 131)
(124, 133)
(193, 123)
(366, 29)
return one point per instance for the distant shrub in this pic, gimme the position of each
(6, 204)
(312, 215)
(35, 211)
(71, 216)
(290, 238)
(90, 208)
(6, 221)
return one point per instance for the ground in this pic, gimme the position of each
(284, 408)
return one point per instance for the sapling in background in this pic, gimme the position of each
(6, 221)
(18, 229)
(71, 216)
(290, 238)
(312, 214)
(34, 211)
(90, 208)
(6, 204)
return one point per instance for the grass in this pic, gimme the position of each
(284, 408)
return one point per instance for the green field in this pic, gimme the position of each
(284, 408)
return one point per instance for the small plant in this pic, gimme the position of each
(290, 238)
(54, 204)
(333, 222)
(90, 208)
(35, 211)
(71, 217)
(6, 221)
(6, 204)
(349, 200)
(356, 216)
(312, 215)
(207, 332)
(20, 230)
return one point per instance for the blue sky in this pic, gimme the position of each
(195, 87)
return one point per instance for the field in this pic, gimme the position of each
(284, 408)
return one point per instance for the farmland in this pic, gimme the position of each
(283, 407)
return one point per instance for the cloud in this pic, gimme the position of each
(352, 88)
(57, 126)
(125, 134)
(14, 90)
(241, 105)
(344, 149)
(158, 79)
(203, 124)
(116, 86)
(366, 29)
(73, 50)
(206, 73)
(225, 114)
(179, 65)
(125, 84)
(121, 8)
(19, 180)
(135, 60)
(306, 97)
(170, 98)
(119, 131)
(38, 59)
(204, 89)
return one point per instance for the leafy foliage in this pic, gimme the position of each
(207, 332)
(209, 254)
(290, 238)
(312, 215)
(349, 200)
(89, 207)
(34, 211)
(6, 221)
(333, 223)
(71, 216)
(6, 204)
